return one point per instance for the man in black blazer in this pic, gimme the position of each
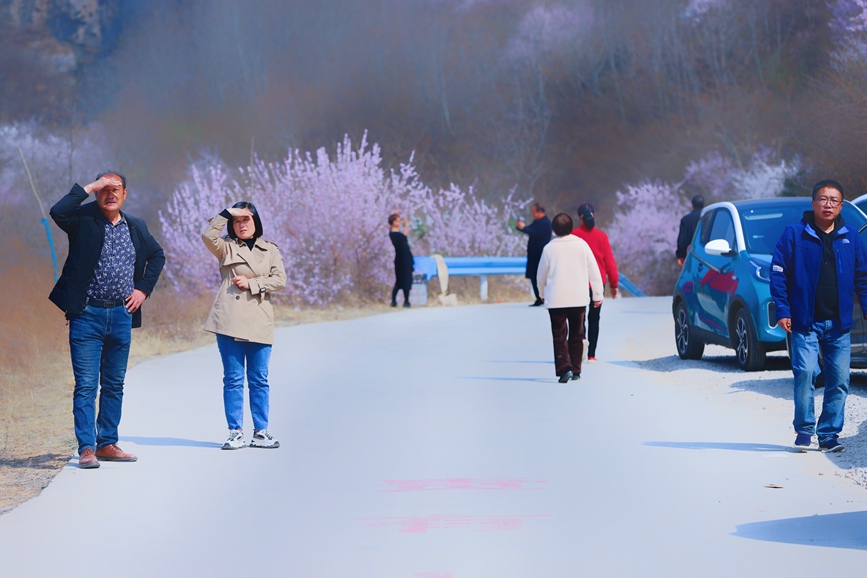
(539, 232)
(112, 267)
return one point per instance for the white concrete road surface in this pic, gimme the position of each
(436, 443)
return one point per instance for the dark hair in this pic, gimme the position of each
(698, 202)
(562, 225)
(828, 184)
(392, 218)
(539, 208)
(585, 209)
(115, 173)
(256, 220)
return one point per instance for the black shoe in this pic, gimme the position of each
(537, 303)
(406, 304)
(394, 303)
(576, 376)
(567, 375)
(830, 446)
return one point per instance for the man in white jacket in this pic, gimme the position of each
(566, 269)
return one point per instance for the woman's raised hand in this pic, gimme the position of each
(239, 212)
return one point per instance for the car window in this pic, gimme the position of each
(723, 227)
(764, 225)
(704, 224)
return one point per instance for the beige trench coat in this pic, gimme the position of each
(246, 315)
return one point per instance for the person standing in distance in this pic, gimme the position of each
(688, 225)
(601, 247)
(251, 269)
(567, 267)
(112, 267)
(403, 260)
(539, 233)
(819, 264)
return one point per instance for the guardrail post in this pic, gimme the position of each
(483, 287)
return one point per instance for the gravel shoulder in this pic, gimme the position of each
(767, 395)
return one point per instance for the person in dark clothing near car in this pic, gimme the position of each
(112, 267)
(403, 261)
(819, 264)
(688, 225)
(539, 232)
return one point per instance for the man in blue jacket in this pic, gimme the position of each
(112, 267)
(539, 233)
(819, 264)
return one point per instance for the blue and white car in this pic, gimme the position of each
(723, 293)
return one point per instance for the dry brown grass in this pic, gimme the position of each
(36, 435)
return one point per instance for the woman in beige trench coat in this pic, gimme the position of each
(242, 317)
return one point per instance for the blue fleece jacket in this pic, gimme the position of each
(795, 272)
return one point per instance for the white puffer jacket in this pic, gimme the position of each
(566, 270)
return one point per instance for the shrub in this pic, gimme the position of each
(328, 216)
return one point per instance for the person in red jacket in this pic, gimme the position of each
(601, 248)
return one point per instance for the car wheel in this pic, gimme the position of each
(688, 347)
(748, 352)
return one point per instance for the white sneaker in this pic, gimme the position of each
(235, 441)
(262, 439)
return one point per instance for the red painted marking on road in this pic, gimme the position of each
(424, 524)
(462, 484)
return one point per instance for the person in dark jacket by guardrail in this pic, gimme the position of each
(539, 232)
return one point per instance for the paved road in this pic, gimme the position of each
(436, 443)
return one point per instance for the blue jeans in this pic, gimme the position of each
(836, 350)
(99, 341)
(256, 356)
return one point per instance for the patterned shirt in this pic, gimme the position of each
(113, 277)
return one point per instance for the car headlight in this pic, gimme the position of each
(760, 270)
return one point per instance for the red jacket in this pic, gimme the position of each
(601, 248)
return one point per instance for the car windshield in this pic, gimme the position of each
(763, 225)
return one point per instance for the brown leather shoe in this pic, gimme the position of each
(87, 459)
(112, 453)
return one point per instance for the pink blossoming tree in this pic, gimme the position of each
(329, 215)
(645, 227)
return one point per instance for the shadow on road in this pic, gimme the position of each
(718, 363)
(740, 447)
(524, 379)
(829, 531)
(41, 462)
(149, 441)
(513, 361)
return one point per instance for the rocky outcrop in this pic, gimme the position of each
(89, 26)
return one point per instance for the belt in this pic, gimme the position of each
(105, 303)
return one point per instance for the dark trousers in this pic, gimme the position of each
(593, 314)
(398, 287)
(567, 330)
(535, 286)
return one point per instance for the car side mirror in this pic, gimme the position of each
(719, 248)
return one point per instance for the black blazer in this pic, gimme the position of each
(539, 232)
(83, 225)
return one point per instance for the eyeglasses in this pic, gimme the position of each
(826, 202)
